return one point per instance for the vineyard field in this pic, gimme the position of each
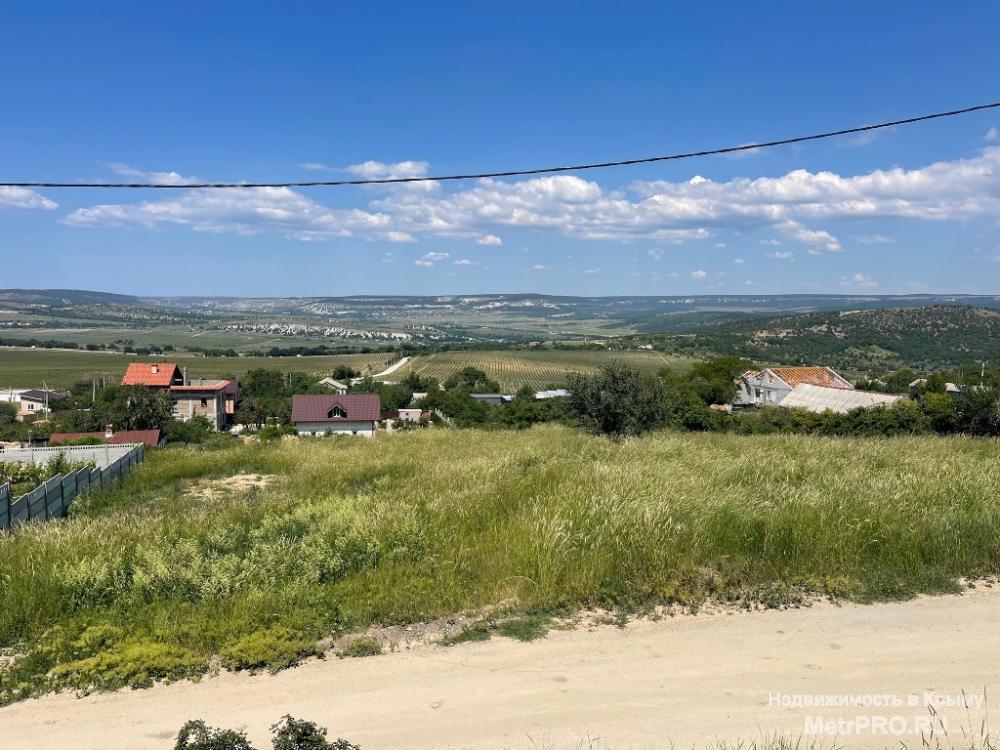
(28, 368)
(538, 369)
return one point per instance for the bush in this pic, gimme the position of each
(273, 648)
(288, 734)
(361, 647)
(195, 735)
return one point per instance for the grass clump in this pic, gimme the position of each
(273, 649)
(419, 526)
(477, 631)
(359, 647)
(527, 628)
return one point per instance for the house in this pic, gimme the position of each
(950, 388)
(213, 399)
(554, 393)
(819, 399)
(409, 415)
(336, 414)
(150, 438)
(36, 403)
(493, 399)
(769, 386)
(153, 375)
(216, 400)
(334, 385)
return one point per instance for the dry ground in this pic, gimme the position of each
(686, 680)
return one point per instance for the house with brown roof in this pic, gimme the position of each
(150, 438)
(769, 386)
(336, 414)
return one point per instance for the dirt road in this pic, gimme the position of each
(686, 680)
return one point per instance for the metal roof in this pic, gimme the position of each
(819, 399)
(155, 374)
(363, 407)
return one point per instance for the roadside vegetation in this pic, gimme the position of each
(179, 568)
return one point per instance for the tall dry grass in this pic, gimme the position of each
(425, 524)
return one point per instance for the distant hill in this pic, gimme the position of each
(923, 338)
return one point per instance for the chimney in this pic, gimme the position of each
(109, 432)
(184, 376)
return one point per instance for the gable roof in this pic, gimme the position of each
(38, 394)
(156, 374)
(149, 437)
(821, 376)
(363, 407)
(331, 382)
(819, 399)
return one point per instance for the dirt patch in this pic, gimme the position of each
(213, 489)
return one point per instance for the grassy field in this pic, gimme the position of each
(27, 368)
(152, 578)
(538, 369)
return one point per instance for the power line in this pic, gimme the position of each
(506, 173)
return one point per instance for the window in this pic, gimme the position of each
(204, 402)
(337, 411)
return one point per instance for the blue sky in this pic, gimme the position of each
(267, 91)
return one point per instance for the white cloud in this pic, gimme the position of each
(720, 245)
(592, 271)
(737, 260)
(771, 242)
(781, 255)
(489, 239)
(15, 197)
(394, 236)
(465, 262)
(875, 239)
(992, 135)
(246, 211)
(819, 239)
(655, 254)
(663, 211)
(698, 275)
(317, 166)
(378, 170)
(539, 267)
(860, 281)
(142, 175)
(429, 259)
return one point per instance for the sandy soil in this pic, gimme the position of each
(685, 680)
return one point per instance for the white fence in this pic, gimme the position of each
(53, 498)
(100, 455)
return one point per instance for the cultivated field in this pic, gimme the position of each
(256, 552)
(538, 369)
(27, 368)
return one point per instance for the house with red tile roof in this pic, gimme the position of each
(153, 374)
(769, 386)
(336, 414)
(151, 438)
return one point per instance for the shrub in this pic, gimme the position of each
(273, 648)
(361, 647)
(296, 734)
(196, 735)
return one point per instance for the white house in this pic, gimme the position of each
(334, 385)
(349, 414)
(769, 386)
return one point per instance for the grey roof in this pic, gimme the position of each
(818, 399)
(37, 394)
